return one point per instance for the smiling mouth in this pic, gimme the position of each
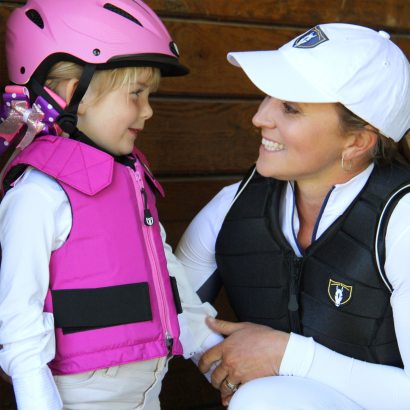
(134, 131)
(272, 146)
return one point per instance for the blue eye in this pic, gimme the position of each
(138, 92)
(289, 109)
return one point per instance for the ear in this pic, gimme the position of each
(360, 144)
(65, 89)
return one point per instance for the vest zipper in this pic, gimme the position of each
(148, 220)
(295, 267)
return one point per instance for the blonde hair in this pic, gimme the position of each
(104, 81)
(386, 150)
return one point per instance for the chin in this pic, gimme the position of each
(264, 169)
(269, 171)
(126, 151)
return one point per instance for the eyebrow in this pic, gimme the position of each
(138, 84)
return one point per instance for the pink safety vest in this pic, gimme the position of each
(110, 290)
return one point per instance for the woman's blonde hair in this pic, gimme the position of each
(386, 150)
(104, 81)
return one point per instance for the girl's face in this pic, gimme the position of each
(300, 141)
(114, 121)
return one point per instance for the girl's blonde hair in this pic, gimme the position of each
(386, 150)
(104, 81)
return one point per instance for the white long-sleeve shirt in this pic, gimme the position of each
(370, 385)
(35, 219)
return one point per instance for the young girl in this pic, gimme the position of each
(88, 309)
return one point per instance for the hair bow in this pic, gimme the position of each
(38, 118)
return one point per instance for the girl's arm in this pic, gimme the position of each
(32, 216)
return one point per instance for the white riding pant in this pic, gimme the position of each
(127, 387)
(289, 393)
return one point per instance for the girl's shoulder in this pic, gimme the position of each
(35, 187)
(34, 177)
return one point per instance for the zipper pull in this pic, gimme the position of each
(293, 304)
(148, 218)
(169, 342)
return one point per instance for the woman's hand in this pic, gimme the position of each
(248, 352)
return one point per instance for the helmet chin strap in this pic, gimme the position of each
(67, 120)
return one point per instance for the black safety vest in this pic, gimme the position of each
(334, 293)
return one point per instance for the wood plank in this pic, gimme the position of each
(184, 199)
(379, 14)
(205, 54)
(200, 137)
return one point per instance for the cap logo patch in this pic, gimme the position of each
(339, 293)
(311, 38)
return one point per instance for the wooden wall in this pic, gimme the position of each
(201, 137)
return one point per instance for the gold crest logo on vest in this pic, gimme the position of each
(339, 293)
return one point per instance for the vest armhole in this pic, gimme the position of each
(379, 242)
(12, 175)
(244, 183)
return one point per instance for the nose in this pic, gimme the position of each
(146, 110)
(264, 116)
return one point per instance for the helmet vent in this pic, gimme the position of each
(35, 17)
(121, 12)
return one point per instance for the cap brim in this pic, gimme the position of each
(271, 72)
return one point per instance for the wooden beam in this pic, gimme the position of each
(392, 14)
(184, 199)
(200, 137)
(204, 46)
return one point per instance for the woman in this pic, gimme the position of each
(312, 247)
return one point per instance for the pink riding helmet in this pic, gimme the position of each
(105, 33)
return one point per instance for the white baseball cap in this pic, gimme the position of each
(353, 65)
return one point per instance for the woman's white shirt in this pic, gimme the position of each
(372, 386)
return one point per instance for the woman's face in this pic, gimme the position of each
(300, 141)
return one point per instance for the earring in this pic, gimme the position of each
(346, 165)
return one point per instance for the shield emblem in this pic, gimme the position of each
(311, 38)
(339, 293)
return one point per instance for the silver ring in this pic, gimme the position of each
(231, 386)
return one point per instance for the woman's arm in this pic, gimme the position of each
(196, 249)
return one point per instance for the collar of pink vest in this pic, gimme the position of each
(80, 166)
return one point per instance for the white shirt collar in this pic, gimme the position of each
(338, 200)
